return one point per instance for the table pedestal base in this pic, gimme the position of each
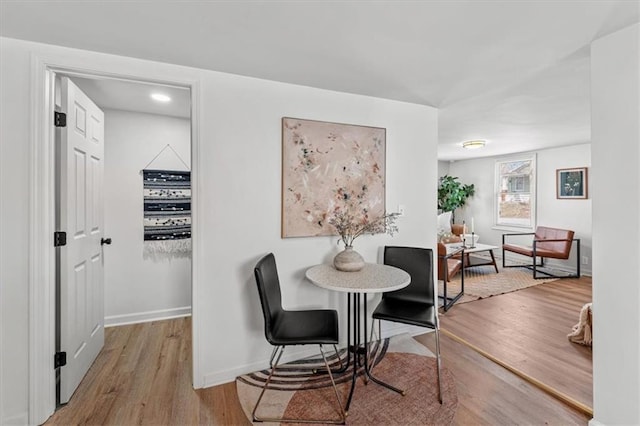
(360, 349)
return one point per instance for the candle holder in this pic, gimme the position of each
(473, 240)
(464, 234)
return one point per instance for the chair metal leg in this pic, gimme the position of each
(379, 330)
(372, 327)
(342, 367)
(371, 358)
(273, 355)
(284, 420)
(343, 415)
(335, 348)
(438, 359)
(439, 363)
(367, 373)
(266, 385)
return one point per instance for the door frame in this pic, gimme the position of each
(42, 270)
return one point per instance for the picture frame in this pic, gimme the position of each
(572, 184)
(328, 168)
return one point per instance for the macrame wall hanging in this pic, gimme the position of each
(167, 209)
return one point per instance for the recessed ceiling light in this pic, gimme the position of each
(160, 97)
(473, 144)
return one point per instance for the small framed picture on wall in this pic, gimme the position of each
(571, 184)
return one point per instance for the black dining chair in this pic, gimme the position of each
(287, 328)
(415, 304)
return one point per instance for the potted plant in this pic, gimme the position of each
(452, 194)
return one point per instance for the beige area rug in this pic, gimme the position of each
(482, 281)
(400, 361)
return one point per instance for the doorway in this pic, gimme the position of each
(43, 304)
(135, 270)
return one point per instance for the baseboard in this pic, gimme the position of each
(138, 317)
(394, 328)
(18, 419)
(226, 376)
(564, 267)
(594, 422)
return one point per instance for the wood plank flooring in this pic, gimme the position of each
(143, 377)
(490, 395)
(528, 329)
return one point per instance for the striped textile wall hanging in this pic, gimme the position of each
(167, 211)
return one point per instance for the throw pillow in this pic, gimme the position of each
(444, 223)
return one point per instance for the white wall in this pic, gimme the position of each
(443, 168)
(615, 132)
(14, 229)
(566, 214)
(243, 193)
(139, 289)
(238, 184)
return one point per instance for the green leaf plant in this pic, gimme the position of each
(452, 194)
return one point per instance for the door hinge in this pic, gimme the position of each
(59, 359)
(59, 239)
(60, 119)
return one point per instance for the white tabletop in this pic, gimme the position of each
(478, 248)
(373, 278)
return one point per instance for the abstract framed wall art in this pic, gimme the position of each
(572, 184)
(329, 168)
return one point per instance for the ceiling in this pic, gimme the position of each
(136, 96)
(515, 73)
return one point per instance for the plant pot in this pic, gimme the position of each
(348, 260)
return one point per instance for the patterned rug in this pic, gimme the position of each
(400, 361)
(482, 281)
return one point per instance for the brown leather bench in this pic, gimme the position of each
(547, 243)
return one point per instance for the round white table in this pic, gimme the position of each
(373, 278)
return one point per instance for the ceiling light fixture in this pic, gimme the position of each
(473, 144)
(160, 97)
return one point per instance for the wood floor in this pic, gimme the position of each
(143, 376)
(528, 329)
(490, 395)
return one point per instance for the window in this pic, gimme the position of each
(515, 192)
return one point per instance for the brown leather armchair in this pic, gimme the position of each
(449, 264)
(457, 230)
(547, 243)
(455, 236)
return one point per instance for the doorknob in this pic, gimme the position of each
(104, 241)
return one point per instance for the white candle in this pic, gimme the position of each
(472, 229)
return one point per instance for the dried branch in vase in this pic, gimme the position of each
(350, 227)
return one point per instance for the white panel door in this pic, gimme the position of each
(81, 216)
